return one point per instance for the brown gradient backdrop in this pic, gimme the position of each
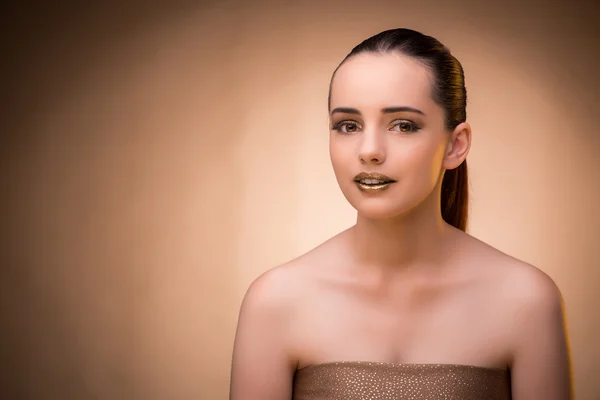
(157, 158)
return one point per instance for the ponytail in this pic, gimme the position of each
(455, 197)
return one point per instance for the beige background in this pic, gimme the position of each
(157, 158)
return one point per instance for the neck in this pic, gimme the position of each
(401, 242)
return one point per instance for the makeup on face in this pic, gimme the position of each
(373, 182)
(406, 125)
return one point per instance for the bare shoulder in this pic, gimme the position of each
(528, 299)
(533, 300)
(279, 287)
(531, 307)
(264, 353)
(272, 286)
(273, 292)
(530, 287)
(516, 280)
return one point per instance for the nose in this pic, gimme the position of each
(371, 148)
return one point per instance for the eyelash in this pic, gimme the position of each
(413, 127)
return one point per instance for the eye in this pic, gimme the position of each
(405, 126)
(346, 127)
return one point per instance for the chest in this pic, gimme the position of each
(427, 325)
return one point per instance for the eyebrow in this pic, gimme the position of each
(387, 110)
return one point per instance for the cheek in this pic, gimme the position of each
(424, 161)
(338, 154)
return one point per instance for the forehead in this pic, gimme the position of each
(372, 80)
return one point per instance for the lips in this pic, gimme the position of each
(372, 182)
(372, 178)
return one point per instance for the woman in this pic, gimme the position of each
(404, 304)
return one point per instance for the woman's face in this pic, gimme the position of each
(384, 120)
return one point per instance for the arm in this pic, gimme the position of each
(541, 363)
(262, 365)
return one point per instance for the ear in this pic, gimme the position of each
(458, 146)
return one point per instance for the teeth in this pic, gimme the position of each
(371, 181)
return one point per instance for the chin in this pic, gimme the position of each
(378, 208)
(378, 213)
(381, 206)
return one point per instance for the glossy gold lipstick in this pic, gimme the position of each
(372, 182)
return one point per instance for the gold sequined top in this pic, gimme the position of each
(356, 380)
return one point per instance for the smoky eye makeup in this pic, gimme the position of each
(397, 125)
(405, 125)
(345, 126)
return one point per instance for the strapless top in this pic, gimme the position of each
(358, 380)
